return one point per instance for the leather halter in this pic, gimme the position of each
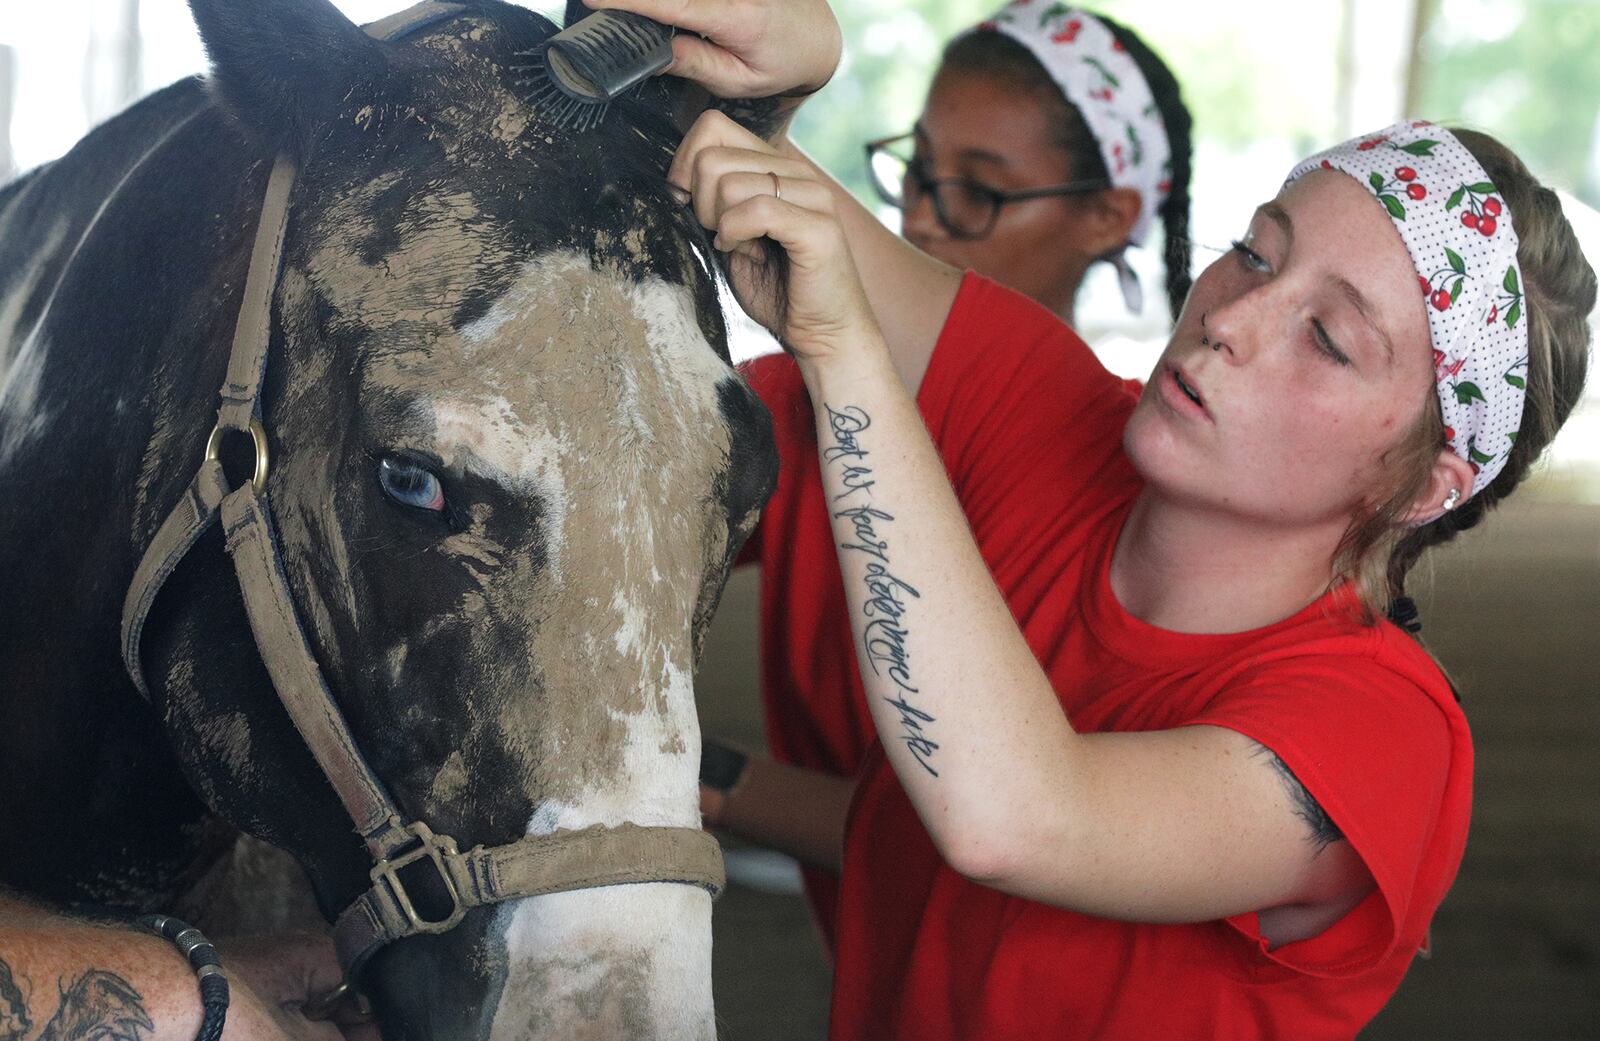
(532, 866)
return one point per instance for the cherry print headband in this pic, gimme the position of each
(1456, 228)
(1101, 79)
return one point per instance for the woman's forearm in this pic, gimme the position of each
(910, 292)
(790, 809)
(966, 716)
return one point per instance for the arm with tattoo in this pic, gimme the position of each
(1320, 828)
(62, 979)
(68, 979)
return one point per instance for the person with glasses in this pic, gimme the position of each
(1022, 165)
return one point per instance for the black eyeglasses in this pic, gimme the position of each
(965, 208)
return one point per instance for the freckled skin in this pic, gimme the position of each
(452, 644)
(1296, 440)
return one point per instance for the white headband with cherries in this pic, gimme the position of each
(1458, 231)
(1101, 79)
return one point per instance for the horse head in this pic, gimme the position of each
(511, 468)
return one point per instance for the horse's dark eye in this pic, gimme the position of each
(410, 484)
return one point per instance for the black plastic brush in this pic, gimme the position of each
(579, 71)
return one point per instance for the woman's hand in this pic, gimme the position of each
(810, 297)
(747, 48)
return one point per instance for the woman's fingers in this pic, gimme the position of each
(711, 131)
(733, 189)
(707, 17)
(715, 68)
(750, 48)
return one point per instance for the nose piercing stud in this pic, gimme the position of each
(1453, 498)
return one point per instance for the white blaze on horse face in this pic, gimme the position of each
(624, 963)
(606, 412)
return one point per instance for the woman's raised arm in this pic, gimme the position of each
(766, 48)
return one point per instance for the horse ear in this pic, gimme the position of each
(283, 66)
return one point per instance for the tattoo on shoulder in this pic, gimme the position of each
(1323, 831)
(96, 1006)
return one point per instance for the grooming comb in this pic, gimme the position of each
(595, 60)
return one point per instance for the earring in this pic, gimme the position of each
(1453, 498)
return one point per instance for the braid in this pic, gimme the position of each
(1179, 124)
(998, 55)
(1560, 289)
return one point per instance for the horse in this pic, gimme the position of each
(510, 467)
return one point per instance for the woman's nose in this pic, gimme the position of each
(1230, 327)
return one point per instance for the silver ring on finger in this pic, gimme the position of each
(777, 189)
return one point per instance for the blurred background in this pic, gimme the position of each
(1517, 944)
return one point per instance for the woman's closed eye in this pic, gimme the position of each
(1325, 345)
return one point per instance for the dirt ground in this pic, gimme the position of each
(1513, 611)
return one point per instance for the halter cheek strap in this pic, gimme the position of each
(532, 866)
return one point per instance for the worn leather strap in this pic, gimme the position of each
(173, 540)
(299, 682)
(538, 865)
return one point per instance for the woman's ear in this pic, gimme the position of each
(1112, 215)
(1450, 474)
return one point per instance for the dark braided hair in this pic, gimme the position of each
(1001, 57)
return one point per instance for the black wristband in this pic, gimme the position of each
(206, 965)
(721, 766)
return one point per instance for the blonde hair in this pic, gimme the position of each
(1379, 550)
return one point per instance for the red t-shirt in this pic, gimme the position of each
(1029, 426)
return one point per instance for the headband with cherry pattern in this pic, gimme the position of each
(1458, 231)
(1101, 79)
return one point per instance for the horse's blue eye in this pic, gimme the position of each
(409, 484)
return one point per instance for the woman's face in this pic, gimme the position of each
(1318, 364)
(987, 131)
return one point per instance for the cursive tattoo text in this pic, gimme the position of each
(887, 596)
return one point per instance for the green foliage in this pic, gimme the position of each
(1526, 72)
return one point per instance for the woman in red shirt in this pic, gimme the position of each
(1020, 171)
(1150, 765)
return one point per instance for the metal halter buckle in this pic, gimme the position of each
(430, 847)
(258, 435)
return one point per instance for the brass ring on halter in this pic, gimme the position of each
(258, 434)
(777, 189)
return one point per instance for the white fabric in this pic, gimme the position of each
(1101, 79)
(1458, 231)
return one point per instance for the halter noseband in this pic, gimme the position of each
(532, 866)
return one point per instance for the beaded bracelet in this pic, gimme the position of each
(206, 965)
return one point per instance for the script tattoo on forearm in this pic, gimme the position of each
(96, 1006)
(888, 597)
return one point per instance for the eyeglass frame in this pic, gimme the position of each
(999, 197)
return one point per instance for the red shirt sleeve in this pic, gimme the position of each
(777, 382)
(1385, 753)
(1011, 391)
